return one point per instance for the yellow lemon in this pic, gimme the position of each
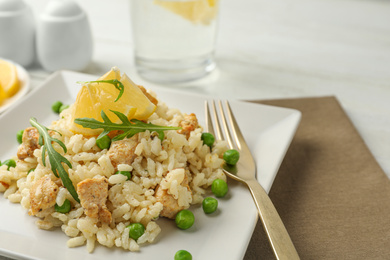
(145, 107)
(95, 97)
(9, 82)
(212, 3)
(2, 95)
(197, 11)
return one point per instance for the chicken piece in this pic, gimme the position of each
(122, 151)
(93, 195)
(150, 97)
(30, 142)
(170, 205)
(43, 194)
(188, 124)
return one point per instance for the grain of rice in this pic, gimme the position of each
(11, 190)
(15, 198)
(117, 179)
(42, 224)
(91, 244)
(146, 149)
(134, 247)
(60, 216)
(89, 144)
(76, 241)
(120, 211)
(31, 160)
(70, 231)
(156, 146)
(124, 167)
(76, 213)
(139, 149)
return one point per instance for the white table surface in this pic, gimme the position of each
(276, 49)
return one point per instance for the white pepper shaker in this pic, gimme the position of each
(64, 39)
(17, 32)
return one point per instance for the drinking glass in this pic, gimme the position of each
(174, 40)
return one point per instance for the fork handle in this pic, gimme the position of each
(277, 234)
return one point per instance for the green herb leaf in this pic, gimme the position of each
(118, 85)
(55, 158)
(129, 127)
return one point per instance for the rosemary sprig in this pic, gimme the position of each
(118, 85)
(55, 158)
(129, 127)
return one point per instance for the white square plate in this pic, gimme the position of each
(222, 235)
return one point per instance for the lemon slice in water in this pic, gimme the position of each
(196, 11)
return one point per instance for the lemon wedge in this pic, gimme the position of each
(95, 97)
(196, 11)
(2, 95)
(9, 82)
(145, 107)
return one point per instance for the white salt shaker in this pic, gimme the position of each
(17, 32)
(64, 39)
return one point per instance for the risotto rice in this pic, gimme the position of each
(166, 176)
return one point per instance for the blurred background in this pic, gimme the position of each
(320, 42)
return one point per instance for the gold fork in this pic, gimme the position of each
(245, 172)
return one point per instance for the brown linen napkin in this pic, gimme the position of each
(330, 192)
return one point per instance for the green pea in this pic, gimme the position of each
(219, 188)
(64, 208)
(19, 136)
(184, 219)
(136, 230)
(126, 173)
(208, 139)
(30, 171)
(231, 157)
(103, 142)
(56, 107)
(10, 163)
(62, 108)
(209, 205)
(183, 255)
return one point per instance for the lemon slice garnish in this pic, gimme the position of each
(95, 97)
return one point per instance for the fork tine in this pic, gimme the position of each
(217, 124)
(225, 126)
(238, 136)
(209, 121)
(235, 128)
